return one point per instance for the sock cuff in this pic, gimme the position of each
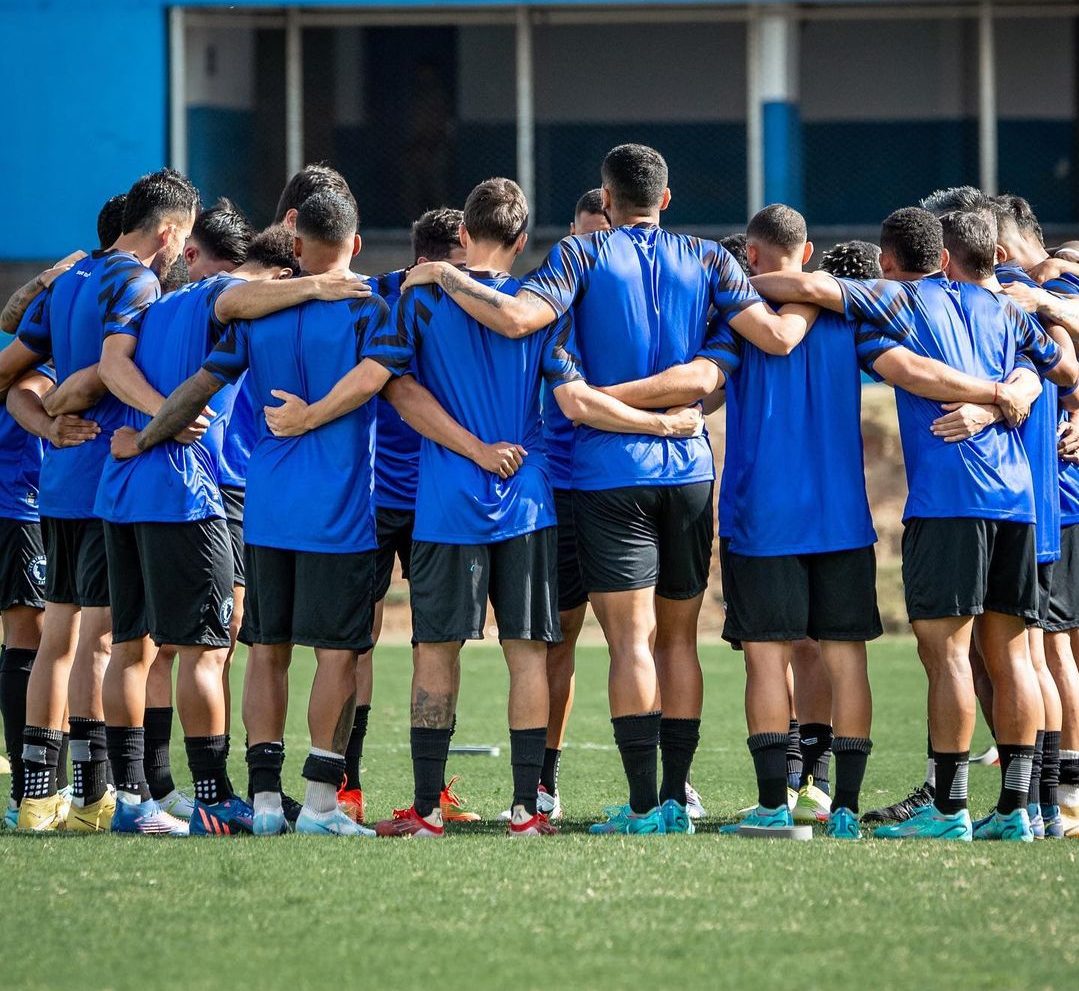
(428, 743)
(524, 734)
(1052, 736)
(852, 744)
(81, 727)
(642, 729)
(17, 659)
(762, 741)
(266, 755)
(681, 730)
(1013, 750)
(324, 766)
(1069, 755)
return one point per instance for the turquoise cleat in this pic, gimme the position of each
(270, 824)
(676, 818)
(1014, 827)
(930, 824)
(1054, 823)
(332, 823)
(843, 825)
(1037, 823)
(762, 818)
(622, 819)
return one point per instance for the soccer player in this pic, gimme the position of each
(100, 294)
(311, 179)
(969, 540)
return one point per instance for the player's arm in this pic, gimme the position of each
(1051, 309)
(1053, 268)
(583, 404)
(123, 378)
(19, 300)
(184, 405)
(679, 385)
(295, 416)
(777, 333)
(78, 392)
(24, 403)
(15, 359)
(932, 379)
(251, 300)
(962, 420)
(426, 415)
(713, 402)
(816, 288)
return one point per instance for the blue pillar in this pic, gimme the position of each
(781, 129)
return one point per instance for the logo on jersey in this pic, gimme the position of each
(225, 612)
(35, 570)
(31, 498)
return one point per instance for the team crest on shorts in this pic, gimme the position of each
(225, 612)
(35, 570)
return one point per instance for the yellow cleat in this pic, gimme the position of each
(95, 818)
(5, 766)
(41, 815)
(1069, 817)
(452, 807)
(813, 804)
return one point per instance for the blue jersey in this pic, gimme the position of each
(1064, 285)
(491, 386)
(20, 462)
(640, 298)
(172, 482)
(1068, 475)
(1039, 436)
(240, 433)
(313, 492)
(558, 435)
(975, 331)
(799, 487)
(98, 296)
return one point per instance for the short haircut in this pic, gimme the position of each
(110, 221)
(496, 210)
(915, 238)
(327, 217)
(736, 245)
(778, 225)
(1018, 211)
(965, 198)
(224, 232)
(156, 196)
(635, 175)
(590, 202)
(436, 234)
(274, 247)
(971, 242)
(852, 260)
(311, 179)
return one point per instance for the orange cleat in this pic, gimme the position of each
(408, 822)
(453, 808)
(350, 801)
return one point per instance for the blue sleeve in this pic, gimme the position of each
(729, 287)
(869, 344)
(34, 329)
(229, 360)
(888, 306)
(722, 346)
(372, 324)
(217, 328)
(391, 341)
(1032, 342)
(127, 290)
(560, 362)
(563, 275)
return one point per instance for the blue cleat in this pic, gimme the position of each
(1014, 827)
(227, 818)
(146, 818)
(762, 818)
(1054, 822)
(1037, 823)
(270, 824)
(332, 823)
(676, 818)
(622, 819)
(843, 825)
(930, 824)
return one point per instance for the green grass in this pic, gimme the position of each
(479, 911)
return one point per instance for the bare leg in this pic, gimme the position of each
(46, 693)
(159, 680)
(628, 620)
(200, 694)
(678, 665)
(1061, 662)
(91, 659)
(852, 698)
(767, 702)
(265, 701)
(561, 665)
(124, 686)
(1017, 702)
(812, 688)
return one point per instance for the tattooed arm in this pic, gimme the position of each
(19, 300)
(183, 407)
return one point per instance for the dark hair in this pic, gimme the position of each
(1016, 210)
(274, 247)
(176, 276)
(736, 245)
(224, 232)
(915, 237)
(436, 234)
(635, 175)
(779, 225)
(964, 198)
(852, 260)
(110, 220)
(311, 179)
(590, 202)
(971, 242)
(496, 210)
(327, 217)
(156, 196)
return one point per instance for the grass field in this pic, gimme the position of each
(480, 911)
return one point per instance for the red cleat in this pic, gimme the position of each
(537, 825)
(351, 803)
(408, 822)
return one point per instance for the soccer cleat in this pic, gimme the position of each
(332, 823)
(1054, 822)
(760, 817)
(270, 824)
(98, 817)
(812, 805)
(676, 818)
(792, 801)
(41, 815)
(226, 818)
(550, 805)
(1015, 826)
(987, 758)
(1037, 823)
(350, 801)
(145, 819)
(929, 824)
(843, 825)
(523, 824)
(177, 804)
(5, 765)
(694, 807)
(904, 809)
(622, 819)
(1069, 821)
(11, 817)
(408, 822)
(65, 795)
(452, 807)
(292, 809)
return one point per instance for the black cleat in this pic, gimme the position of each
(291, 809)
(903, 809)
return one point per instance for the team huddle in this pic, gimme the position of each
(215, 436)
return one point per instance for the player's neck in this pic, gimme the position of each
(143, 246)
(484, 257)
(631, 218)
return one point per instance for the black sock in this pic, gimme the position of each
(1069, 767)
(851, 754)
(769, 751)
(794, 754)
(127, 752)
(61, 767)
(549, 773)
(158, 723)
(264, 763)
(206, 756)
(637, 738)
(816, 740)
(324, 768)
(89, 759)
(40, 754)
(1036, 769)
(15, 664)
(1016, 765)
(354, 749)
(526, 758)
(678, 739)
(430, 748)
(822, 771)
(1050, 768)
(951, 787)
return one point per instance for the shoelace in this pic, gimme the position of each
(450, 796)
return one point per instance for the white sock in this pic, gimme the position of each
(1068, 795)
(129, 797)
(268, 801)
(931, 772)
(321, 797)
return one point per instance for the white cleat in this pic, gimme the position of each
(177, 804)
(332, 823)
(548, 804)
(694, 806)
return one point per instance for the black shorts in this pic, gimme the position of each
(571, 590)
(171, 581)
(1045, 591)
(393, 529)
(964, 567)
(22, 565)
(645, 536)
(725, 577)
(234, 516)
(309, 597)
(451, 584)
(1063, 612)
(827, 596)
(78, 571)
